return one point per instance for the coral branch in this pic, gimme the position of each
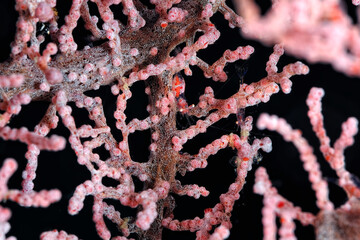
(328, 217)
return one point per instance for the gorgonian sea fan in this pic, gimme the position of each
(46, 64)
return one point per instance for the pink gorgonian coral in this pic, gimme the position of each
(153, 44)
(329, 223)
(110, 106)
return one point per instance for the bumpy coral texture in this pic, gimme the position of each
(160, 44)
(329, 223)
